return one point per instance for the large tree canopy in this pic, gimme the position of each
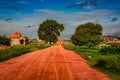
(49, 30)
(88, 34)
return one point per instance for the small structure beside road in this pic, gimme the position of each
(17, 39)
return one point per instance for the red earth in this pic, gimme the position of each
(54, 63)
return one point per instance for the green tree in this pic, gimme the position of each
(4, 40)
(49, 30)
(88, 34)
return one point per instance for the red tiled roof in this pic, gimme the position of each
(15, 35)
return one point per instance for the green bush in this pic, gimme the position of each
(42, 46)
(6, 54)
(113, 49)
(4, 41)
(13, 52)
(108, 62)
(83, 51)
(70, 47)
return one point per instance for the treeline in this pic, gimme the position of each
(4, 40)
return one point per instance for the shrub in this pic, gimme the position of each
(70, 47)
(6, 54)
(83, 51)
(108, 62)
(4, 41)
(114, 49)
(13, 52)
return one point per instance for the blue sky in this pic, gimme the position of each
(26, 15)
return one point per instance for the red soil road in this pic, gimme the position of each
(54, 63)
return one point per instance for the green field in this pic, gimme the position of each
(15, 51)
(106, 60)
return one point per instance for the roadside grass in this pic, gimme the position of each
(107, 63)
(15, 51)
(112, 75)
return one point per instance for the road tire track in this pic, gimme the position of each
(54, 63)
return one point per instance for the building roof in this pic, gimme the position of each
(111, 37)
(15, 35)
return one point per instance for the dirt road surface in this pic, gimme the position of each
(54, 63)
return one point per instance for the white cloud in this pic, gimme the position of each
(112, 28)
(62, 16)
(22, 2)
(7, 28)
(42, 0)
(47, 11)
(70, 21)
(96, 13)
